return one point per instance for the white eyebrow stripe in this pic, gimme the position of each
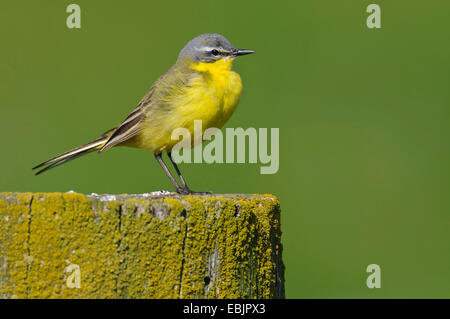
(205, 49)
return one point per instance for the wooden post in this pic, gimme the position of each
(158, 245)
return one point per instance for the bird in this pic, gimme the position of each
(201, 85)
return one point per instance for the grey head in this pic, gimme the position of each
(210, 47)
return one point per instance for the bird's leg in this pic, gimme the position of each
(181, 190)
(185, 187)
(183, 182)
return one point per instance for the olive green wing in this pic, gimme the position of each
(163, 93)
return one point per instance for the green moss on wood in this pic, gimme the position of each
(136, 246)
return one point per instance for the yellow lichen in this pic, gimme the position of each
(221, 246)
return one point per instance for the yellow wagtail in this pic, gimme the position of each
(200, 86)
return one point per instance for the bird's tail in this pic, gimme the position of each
(75, 153)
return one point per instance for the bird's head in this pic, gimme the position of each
(211, 47)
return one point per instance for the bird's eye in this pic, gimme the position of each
(215, 52)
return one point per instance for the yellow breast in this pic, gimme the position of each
(219, 89)
(211, 95)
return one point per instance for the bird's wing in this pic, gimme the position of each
(161, 95)
(131, 125)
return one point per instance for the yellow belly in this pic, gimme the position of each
(211, 97)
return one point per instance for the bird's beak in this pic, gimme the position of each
(238, 52)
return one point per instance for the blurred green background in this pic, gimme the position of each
(363, 117)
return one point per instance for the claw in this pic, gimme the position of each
(187, 191)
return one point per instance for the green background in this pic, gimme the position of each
(363, 117)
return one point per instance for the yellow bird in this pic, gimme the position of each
(201, 85)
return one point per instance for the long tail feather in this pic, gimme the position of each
(74, 153)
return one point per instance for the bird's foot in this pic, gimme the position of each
(187, 191)
(200, 193)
